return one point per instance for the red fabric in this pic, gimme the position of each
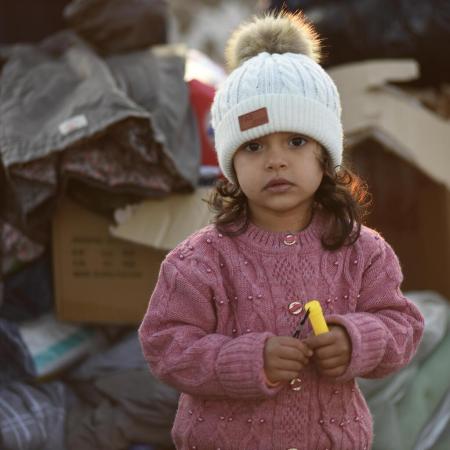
(201, 97)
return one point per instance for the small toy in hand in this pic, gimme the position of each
(316, 318)
(315, 314)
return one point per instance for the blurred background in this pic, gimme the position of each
(106, 151)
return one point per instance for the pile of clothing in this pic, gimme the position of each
(101, 112)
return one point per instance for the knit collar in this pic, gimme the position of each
(280, 241)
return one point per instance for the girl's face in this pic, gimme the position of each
(279, 174)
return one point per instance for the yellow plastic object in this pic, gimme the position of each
(316, 317)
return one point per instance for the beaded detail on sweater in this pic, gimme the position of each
(219, 298)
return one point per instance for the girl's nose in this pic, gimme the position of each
(275, 160)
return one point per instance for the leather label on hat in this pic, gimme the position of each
(253, 119)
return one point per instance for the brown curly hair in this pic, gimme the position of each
(341, 193)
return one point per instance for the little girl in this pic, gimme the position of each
(222, 320)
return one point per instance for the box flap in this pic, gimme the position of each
(398, 120)
(163, 224)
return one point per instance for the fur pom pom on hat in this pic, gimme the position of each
(275, 84)
(286, 33)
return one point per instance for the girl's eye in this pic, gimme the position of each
(252, 146)
(298, 141)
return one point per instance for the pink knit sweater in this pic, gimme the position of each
(219, 298)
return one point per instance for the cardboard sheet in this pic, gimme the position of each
(403, 124)
(162, 224)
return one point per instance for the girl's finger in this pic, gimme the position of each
(285, 364)
(333, 373)
(316, 342)
(329, 351)
(331, 363)
(287, 375)
(293, 353)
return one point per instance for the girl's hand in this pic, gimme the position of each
(332, 351)
(284, 357)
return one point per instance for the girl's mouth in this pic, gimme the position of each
(278, 185)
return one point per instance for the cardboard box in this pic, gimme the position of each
(401, 148)
(412, 212)
(98, 278)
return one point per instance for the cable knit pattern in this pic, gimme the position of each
(219, 298)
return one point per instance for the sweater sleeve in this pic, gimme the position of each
(386, 328)
(179, 339)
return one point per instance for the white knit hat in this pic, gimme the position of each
(275, 90)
